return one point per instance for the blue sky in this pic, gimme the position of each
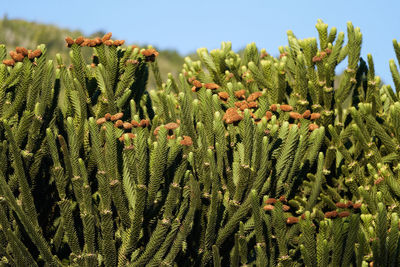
(188, 25)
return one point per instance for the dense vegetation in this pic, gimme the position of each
(15, 33)
(242, 159)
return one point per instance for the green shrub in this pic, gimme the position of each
(251, 160)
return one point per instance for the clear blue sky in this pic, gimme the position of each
(188, 25)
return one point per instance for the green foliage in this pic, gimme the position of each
(242, 160)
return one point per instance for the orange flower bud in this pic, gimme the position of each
(313, 127)
(106, 37)
(254, 96)
(331, 214)
(286, 107)
(107, 116)
(295, 115)
(240, 94)
(101, 121)
(117, 116)
(211, 86)
(270, 201)
(127, 125)
(118, 123)
(268, 207)
(315, 116)
(273, 107)
(186, 141)
(223, 95)
(306, 114)
(292, 220)
(79, 40)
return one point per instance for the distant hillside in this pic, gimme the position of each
(30, 34)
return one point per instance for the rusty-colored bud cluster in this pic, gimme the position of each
(331, 214)
(292, 220)
(150, 54)
(295, 115)
(254, 96)
(223, 96)
(196, 85)
(315, 116)
(211, 86)
(241, 94)
(286, 108)
(117, 116)
(130, 136)
(82, 41)
(232, 116)
(20, 53)
(306, 114)
(312, 127)
(186, 141)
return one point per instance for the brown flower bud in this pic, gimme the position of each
(186, 141)
(285, 207)
(306, 114)
(22, 50)
(150, 54)
(108, 116)
(17, 57)
(117, 116)
(331, 214)
(69, 41)
(231, 116)
(197, 84)
(313, 127)
(244, 106)
(254, 96)
(144, 123)
(79, 40)
(268, 207)
(283, 199)
(118, 123)
(9, 62)
(253, 104)
(134, 123)
(118, 42)
(273, 107)
(292, 220)
(315, 116)
(357, 205)
(240, 94)
(270, 201)
(98, 41)
(108, 42)
(268, 115)
(223, 95)
(295, 115)
(106, 37)
(37, 53)
(127, 125)
(316, 59)
(101, 121)
(286, 107)
(211, 86)
(171, 126)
